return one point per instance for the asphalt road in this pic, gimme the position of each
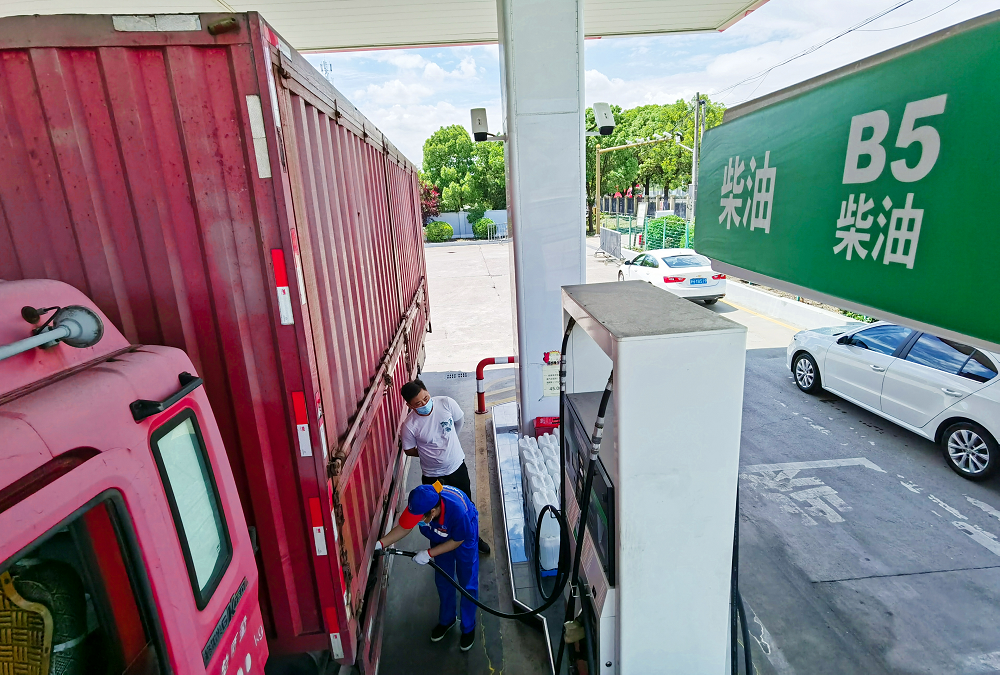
(880, 561)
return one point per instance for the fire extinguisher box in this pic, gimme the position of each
(545, 425)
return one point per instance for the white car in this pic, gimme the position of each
(938, 388)
(681, 271)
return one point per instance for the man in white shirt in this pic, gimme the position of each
(430, 432)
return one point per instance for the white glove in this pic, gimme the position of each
(422, 558)
(378, 545)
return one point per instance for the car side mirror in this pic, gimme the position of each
(628, 262)
(845, 340)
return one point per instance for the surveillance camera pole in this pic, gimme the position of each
(694, 155)
(597, 190)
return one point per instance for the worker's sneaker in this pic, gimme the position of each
(468, 639)
(440, 630)
(484, 547)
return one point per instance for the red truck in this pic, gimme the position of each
(199, 186)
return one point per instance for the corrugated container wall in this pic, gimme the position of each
(210, 191)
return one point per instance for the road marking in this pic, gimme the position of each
(982, 663)
(988, 509)
(980, 536)
(817, 464)
(912, 487)
(750, 311)
(822, 500)
(953, 511)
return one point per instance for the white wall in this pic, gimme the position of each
(459, 221)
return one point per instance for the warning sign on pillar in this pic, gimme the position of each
(550, 379)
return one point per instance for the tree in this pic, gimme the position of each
(448, 148)
(456, 191)
(488, 177)
(428, 201)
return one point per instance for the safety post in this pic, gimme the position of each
(480, 382)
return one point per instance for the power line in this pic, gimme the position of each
(815, 47)
(879, 30)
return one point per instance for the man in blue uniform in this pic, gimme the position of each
(448, 518)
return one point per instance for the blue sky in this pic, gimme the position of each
(410, 93)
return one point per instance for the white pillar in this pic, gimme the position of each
(541, 67)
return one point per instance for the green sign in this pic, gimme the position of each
(875, 188)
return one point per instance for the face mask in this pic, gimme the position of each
(425, 409)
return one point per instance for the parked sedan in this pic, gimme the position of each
(941, 389)
(678, 270)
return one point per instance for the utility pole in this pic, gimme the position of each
(694, 154)
(597, 189)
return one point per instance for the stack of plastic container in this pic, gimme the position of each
(540, 473)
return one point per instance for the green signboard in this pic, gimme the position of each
(875, 187)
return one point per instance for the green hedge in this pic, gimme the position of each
(484, 228)
(667, 232)
(439, 231)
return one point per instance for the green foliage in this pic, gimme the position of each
(484, 228)
(448, 147)
(468, 175)
(858, 317)
(438, 231)
(488, 177)
(666, 232)
(475, 213)
(664, 163)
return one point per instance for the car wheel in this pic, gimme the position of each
(806, 374)
(621, 276)
(970, 450)
(711, 301)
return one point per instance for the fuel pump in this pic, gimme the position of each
(656, 566)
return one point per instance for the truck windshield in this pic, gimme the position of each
(73, 602)
(189, 482)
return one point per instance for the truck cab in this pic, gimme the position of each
(123, 544)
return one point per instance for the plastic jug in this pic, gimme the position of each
(553, 468)
(548, 553)
(541, 481)
(539, 500)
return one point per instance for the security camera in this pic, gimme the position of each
(480, 127)
(678, 136)
(604, 118)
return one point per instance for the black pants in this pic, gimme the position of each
(458, 478)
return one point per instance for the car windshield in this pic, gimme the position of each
(687, 260)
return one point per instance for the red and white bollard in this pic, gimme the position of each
(481, 383)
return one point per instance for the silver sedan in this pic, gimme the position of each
(941, 389)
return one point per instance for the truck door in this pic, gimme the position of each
(77, 600)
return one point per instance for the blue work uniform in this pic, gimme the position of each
(459, 520)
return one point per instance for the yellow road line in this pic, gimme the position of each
(494, 392)
(750, 311)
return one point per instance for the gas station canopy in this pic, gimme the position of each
(328, 25)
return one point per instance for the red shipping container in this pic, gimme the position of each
(210, 191)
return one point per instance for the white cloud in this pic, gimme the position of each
(394, 91)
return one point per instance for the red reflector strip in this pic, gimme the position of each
(301, 423)
(271, 37)
(280, 271)
(330, 614)
(281, 287)
(316, 518)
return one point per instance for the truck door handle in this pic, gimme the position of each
(951, 392)
(142, 408)
(878, 369)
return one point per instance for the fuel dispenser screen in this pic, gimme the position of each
(582, 409)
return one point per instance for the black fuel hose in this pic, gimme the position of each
(561, 576)
(737, 610)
